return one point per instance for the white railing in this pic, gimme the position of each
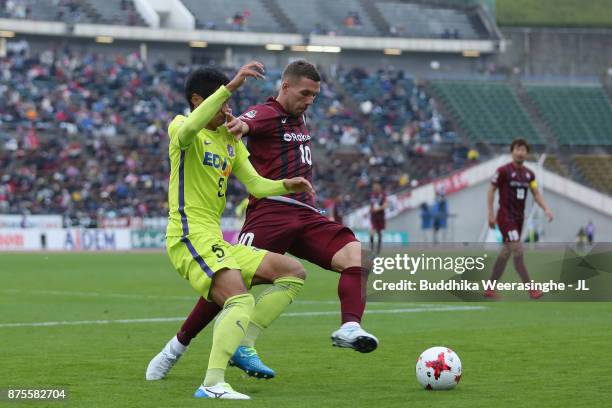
(173, 14)
(181, 22)
(33, 27)
(405, 44)
(147, 13)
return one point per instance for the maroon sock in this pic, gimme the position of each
(351, 291)
(519, 265)
(499, 267)
(203, 313)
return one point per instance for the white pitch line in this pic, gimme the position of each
(293, 314)
(391, 311)
(86, 322)
(133, 295)
(176, 297)
(98, 294)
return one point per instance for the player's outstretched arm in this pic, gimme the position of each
(298, 185)
(253, 69)
(256, 185)
(201, 115)
(207, 110)
(261, 187)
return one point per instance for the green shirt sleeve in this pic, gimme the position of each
(189, 127)
(173, 129)
(256, 185)
(241, 208)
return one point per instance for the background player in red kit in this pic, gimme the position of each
(280, 146)
(339, 209)
(378, 205)
(513, 180)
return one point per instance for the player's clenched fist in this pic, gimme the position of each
(253, 69)
(298, 185)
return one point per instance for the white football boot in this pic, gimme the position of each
(221, 391)
(351, 335)
(163, 362)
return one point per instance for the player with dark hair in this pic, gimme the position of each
(279, 143)
(378, 205)
(513, 180)
(204, 149)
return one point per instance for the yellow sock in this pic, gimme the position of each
(228, 332)
(270, 304)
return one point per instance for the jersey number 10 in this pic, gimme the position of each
(306, 156)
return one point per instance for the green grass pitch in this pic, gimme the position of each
(513, 354)
(554, 13)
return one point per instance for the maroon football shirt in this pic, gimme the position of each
(377, 200)
(279, 145)
(513, 183)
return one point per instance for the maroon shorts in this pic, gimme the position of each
(510, 229)
(300, 231)
(377, 223)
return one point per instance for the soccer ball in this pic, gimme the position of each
(438, 368)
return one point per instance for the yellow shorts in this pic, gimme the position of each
(198, 256)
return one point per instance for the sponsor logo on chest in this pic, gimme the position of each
(519, 179)
(517, 183)
(296, 137)
(216, 161)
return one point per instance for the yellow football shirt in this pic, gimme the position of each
(199, 170)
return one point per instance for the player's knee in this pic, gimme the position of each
(348, 256)
(505, 256)
(354, 255)
(225, 284)
(296, 269)
(516, 248)
(517, 252)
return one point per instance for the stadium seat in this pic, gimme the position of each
(487, 111)
(241, 15)
(114, 12)
(579, 115)
(553, 164)
(323, 16)
(596, 170)
(421, 20)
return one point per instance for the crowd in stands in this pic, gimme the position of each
(68, 11)
(352, 22)
(85, 135)
(15, 9)
(392, 133)
(343, 21)
(240, 19)
(352, 19)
